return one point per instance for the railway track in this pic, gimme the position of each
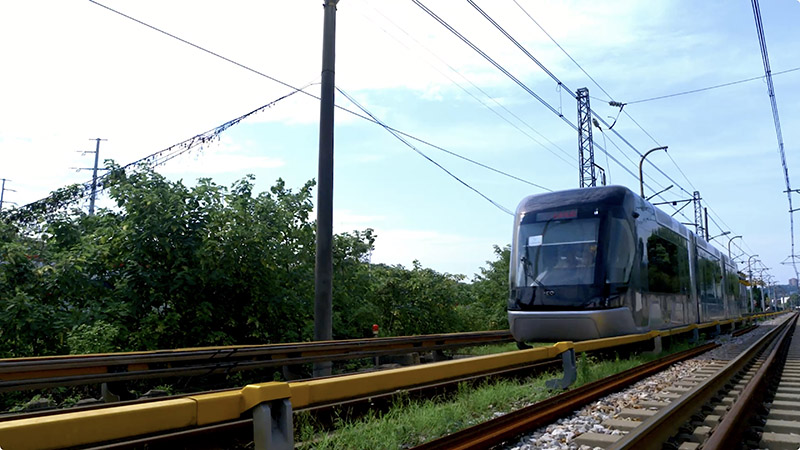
(205, 436)
(766, 412)
(56, 371)
(692, 404)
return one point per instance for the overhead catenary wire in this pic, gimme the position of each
(596, 83)
(215, 54)
(338, 106)
(302, 90)
(508, 74)
(428, 158)
(565, 158)
(610, 97)
(561, 85)
(708, 88)
(562, 49)
(558, 81)
(762, 41)
(527, 89)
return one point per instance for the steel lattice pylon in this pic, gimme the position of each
(698, 215)
(585, 145)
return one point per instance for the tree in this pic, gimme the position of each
(170, 266)
(491, 291)
(176, 266)
(417, 301)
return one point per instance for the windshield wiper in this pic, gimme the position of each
(526, 265)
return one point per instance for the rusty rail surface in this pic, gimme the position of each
(53, 371)
(510, 425)
(743, 331)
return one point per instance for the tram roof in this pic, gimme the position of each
(609, 195)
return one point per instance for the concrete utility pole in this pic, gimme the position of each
(2, 193)
(323, 274)
(94, 175)
(94, 170)
(750, 272)
(588, 178)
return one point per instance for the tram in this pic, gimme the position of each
(601, 261)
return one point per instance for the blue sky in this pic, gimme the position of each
(74, 71)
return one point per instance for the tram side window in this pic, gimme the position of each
(731, 283)
(667, 266)
(621, 252)
(710, 276)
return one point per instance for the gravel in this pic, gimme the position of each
(561, 434)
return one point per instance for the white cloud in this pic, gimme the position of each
(446, 252)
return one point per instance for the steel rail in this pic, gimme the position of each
(510, 425)
(730, 431)
(656, 430)
(742, 331)
(43, 372)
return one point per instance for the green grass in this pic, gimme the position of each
(492, 349)
(412, 422)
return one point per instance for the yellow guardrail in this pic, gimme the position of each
(81, 428)
(72, 429)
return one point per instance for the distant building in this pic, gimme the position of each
(793, 282)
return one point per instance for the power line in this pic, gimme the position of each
(154, 159)
(716, 86)
(412, 147)
(519, 46)
(508, 74)
(169, 156)
(194, 45)
(571, 92)
(302, 91)
(610, 97)
(489, 59)
(561, 84)
(295, 89)
(562, 49)
(478, 88)
(762, 41)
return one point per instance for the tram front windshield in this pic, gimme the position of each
(557, 252)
